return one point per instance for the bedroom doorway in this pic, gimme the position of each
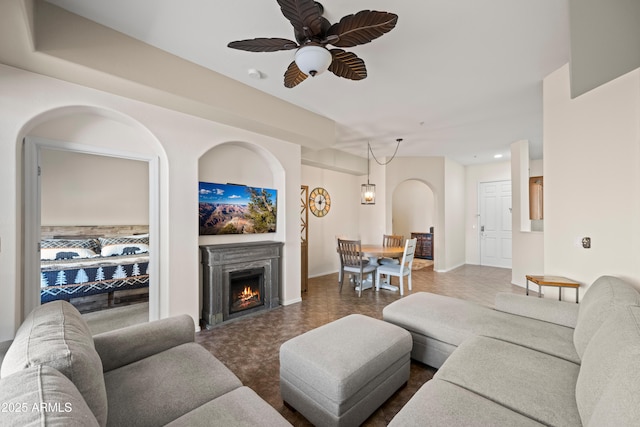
(59, 201)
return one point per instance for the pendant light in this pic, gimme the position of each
(368, 190)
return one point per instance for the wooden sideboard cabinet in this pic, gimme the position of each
(424, 247)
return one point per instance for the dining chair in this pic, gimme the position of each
(400, 270)
(391, 240)
(351, 261)
(338, 238)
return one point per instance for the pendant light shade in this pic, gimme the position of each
(368, 191)
(313, 60)
(368, 194)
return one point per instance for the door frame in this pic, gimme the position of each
(32, 147)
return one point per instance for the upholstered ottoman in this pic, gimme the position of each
(340, 373)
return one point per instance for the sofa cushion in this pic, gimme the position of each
(609, 379)
(440, 403)
(42, 396)
(535, 384)
(560, 312)
(452, 321)
(161, 388)
(56, 335)
(604, 296)
(240, 407)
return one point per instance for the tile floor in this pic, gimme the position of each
(250, 346)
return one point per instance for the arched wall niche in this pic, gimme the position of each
(413, 208)
(98, 131)
(245, 163)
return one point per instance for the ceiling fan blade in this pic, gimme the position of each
(361, 28)
(304, 15)
(293, 76)
(347, 65)
(263, 45)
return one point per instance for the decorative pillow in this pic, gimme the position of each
(56, 249)
(124, 245)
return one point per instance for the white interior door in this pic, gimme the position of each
(495, 223)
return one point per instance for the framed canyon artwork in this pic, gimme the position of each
(236, 209)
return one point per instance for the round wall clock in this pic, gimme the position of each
(319, 201)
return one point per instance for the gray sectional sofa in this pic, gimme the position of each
(56, 374)
(530, 361)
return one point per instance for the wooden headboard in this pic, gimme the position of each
(90, 231)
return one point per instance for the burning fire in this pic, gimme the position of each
(248, 294)
(246, 298)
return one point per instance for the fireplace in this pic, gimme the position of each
(246, 290)
(239, 279)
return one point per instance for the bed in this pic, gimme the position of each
(83, 261)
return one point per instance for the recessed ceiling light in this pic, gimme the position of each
(497, 156)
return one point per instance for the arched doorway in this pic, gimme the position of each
(94, 132)
(413, 208)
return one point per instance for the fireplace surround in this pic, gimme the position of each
(252, 266)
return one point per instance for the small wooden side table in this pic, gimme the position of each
(557, 281)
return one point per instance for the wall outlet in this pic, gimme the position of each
(586, 242)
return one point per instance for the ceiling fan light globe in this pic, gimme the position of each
(313, 60)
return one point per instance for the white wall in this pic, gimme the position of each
(84, 189)
(342, 219)
(177, 139)
(474, 175)
(454, 199)
(592, 178)
(233, 163)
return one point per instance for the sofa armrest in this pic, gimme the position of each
(548, 310)
(127, 345)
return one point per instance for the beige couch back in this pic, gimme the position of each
(56, 335)
(603, 298)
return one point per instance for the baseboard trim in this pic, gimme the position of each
(292, 301)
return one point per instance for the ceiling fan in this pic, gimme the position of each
(313, 33)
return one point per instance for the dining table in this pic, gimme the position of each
(376, 251)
